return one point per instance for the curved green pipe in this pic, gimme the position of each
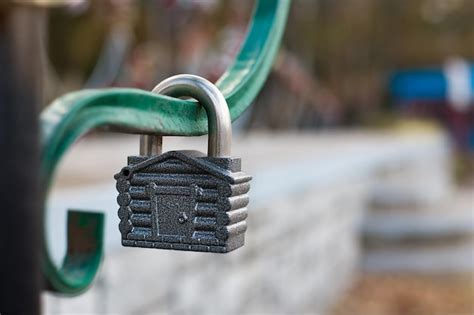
(137, 111)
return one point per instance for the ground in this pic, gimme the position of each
(408, 294)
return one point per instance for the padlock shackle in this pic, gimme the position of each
(208, 95)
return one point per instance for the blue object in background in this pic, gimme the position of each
(423, 85)
(419, 85)
(451, 85)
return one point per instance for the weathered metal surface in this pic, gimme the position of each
(211, 100)
(138, 111)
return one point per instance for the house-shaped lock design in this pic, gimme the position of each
(183, 200)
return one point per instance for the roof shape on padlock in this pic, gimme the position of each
(193, 158)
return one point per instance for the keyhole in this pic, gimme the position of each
(182, 218)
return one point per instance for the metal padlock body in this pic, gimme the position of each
(185, 200)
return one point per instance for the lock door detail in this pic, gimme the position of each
(172, 213)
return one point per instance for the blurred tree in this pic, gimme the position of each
(347, 47)
(352, 45)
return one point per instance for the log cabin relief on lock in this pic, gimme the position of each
(183, 200)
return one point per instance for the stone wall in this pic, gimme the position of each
(301, 244)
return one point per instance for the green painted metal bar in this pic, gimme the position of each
(137, 111)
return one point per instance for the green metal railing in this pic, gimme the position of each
(137, 111)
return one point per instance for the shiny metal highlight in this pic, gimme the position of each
(208, 96)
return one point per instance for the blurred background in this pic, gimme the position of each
(361, 145)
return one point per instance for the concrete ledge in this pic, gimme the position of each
(307, 201)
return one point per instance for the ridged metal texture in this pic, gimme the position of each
(183, 200)
(132, 110)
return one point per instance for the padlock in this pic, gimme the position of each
(186, 200)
